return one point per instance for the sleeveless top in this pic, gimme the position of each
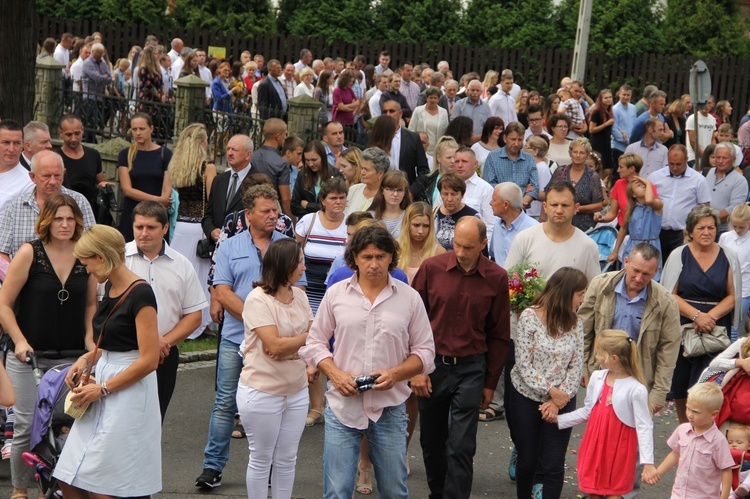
(191, 207)
(61, 325)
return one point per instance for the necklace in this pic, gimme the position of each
(63, 295)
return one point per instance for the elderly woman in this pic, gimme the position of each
(394, 346)
(305, 86)
(114, 449)
(272, 390)
(586, 181)
(559, 145)
(430, 118)
(44, 276)
(375, 163)
(452, 189)
(705, 279)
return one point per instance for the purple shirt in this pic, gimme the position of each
(702, 458)
(344, 96)
(369, 337)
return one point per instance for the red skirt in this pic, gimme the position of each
(608, 451)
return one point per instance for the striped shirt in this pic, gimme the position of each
(323, 245)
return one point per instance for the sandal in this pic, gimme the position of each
(490, 415)
(364, 481)
(312, 421)
(19, 495)
(238, 431)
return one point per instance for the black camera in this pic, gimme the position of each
(365, 383)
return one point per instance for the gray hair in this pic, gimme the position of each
(436, 77)
(468, 85)
(723, 145)
(510, 192)
(186, 51)
(97, 47)
(450, 82)
(40, 156)
(647, 251)
(580, 142)
(32, 129)
(698, 212)
(378, 158)
(175, 42)
(246, 141)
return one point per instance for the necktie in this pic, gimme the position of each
(232, 189)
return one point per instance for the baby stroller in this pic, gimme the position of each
(49, 426)
(605, 236)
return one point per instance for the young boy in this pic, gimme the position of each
(699, 450)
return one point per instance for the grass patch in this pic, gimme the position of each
(198, 344)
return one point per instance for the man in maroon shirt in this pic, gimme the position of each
(467, 301)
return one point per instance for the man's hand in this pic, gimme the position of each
(344, 383)
(216, 310)
(421, 385)
(164, 348)
(654, 408)
(487, 394)
(312, 374)
(527, 201)
(386, 381)
(215, 234)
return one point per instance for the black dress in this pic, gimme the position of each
(601, 140)
(701, 290)
(51, 314)
(147, 175)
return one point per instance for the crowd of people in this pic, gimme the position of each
(366, 283)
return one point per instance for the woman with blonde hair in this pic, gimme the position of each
(490, 80)
(417, 239)
(349, 163)
(305, 86)
(445, 159)
(674, 120)
(114, 449)
(192, 173)
(522, 106)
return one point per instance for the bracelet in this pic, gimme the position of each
(105, 390)
(696, 315)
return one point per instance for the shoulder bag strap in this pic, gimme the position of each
(309, 230)
(132, 286)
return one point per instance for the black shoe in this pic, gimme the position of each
(209, 479)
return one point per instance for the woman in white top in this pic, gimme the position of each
(305, 86)
(559, 145)
(545, 380)
(430, 118)
(537, 147)
(375, 162)
(738, 239)
(492, 138)
(391, 201)
(272, 391)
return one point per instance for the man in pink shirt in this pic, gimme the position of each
(380, 328)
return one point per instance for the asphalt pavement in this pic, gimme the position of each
(186, 427)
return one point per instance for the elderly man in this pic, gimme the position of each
(473, 107)
(176, 48)
(507, 206)
(451, 89)
(287, 80)
(631, 300)
(680, 188)
(503, 103)
(271, 94)
(179, 293)
(305, 59)
(14, 179)
(96, 78)
(511, 164)
(381, 330)
(35, 139)
(19, 220)
(649, 148)
(730, 187)
(238, 266)
(466, 298)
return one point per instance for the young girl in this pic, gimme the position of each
(643, 218)
(738, 239)
(619, 420)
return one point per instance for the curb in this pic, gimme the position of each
(202, 355)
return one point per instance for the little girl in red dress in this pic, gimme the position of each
(619, 420)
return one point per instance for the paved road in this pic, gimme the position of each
(185, 430)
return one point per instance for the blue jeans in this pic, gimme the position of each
(743, 315)
(220, 428)
(387, 441)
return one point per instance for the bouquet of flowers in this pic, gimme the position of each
(525, 285)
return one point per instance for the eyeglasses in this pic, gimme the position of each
(393, 190)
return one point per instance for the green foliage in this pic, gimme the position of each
(347, 20)
(706, 27)
(616, 29)
(250, 17)
(436, 21)
(510, 23)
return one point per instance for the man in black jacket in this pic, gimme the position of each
(406, 148)
(271, 94)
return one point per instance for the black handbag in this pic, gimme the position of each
(206, 246)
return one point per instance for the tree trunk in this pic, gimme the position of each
(18, 40)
